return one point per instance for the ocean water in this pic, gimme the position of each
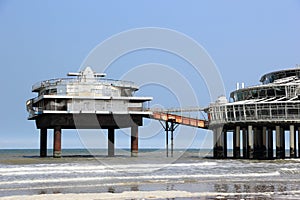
(187, 175)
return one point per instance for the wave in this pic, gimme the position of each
(147, 177)
(67, 169)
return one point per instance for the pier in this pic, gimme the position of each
(258, 117)
(87, 101)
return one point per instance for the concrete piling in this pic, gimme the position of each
(43, 142)
(270, 144)
(219, 143)
(57, 142)
(280, 143)
(224, 139)
(245, 143)
(298, 142)
(111, 142)
(236, 142)
(250, 150)
(292, 142)
(134, 141)
(264, 142)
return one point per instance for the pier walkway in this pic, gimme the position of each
(179, 116)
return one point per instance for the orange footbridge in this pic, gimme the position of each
(179, 119)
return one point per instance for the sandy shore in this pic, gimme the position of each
(108, 196)
(155, 195)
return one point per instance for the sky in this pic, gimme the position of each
(41, 40)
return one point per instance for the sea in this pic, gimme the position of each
(189, 174)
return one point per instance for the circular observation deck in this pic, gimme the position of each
(276, 100)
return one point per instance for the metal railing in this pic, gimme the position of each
(255, 112)
(95, 81)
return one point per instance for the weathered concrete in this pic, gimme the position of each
(270, 144)
(264, 142)
(219, 147)
(57, 142)
(245, 143)
(236, 142)
(111, 142)
(224, 136)
(280, 151)
(250, 150)
(134, 141)
(43, 142)
(257, 140)
(292, 141)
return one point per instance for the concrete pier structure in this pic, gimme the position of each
(292, 142)
(270, 151)
(236, 142)
(134, 141)
(57, 142)
(86, 102)
(273, 105)
(250, 149)
(245, 143)
(43, 142)
(280, 143)
(220, 143)
(111, 142)
(298, 142)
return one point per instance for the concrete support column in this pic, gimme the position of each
(280, 151)
(264, 142)
(224, 135)
(215, 141)
(57, 142)
(236, 142)
(298, 142)
(282, 143)
(43, 142)
(218, 143)
(134, 141)
(270, 144)
(245, 143)
(292, 142)
(256, 142)
(250, 142)
(111, 142)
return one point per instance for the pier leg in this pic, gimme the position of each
(215, 141)
(264, 143)
(298, 142)
(280, 151)
(111, 142)
(270, 144)
(236, 142)
(258, 143)
(134, 141)
(282, 142)
(57, 143)
(292, 142)
(224, 132)
(43, 142)
(167, 138)
(172, 138)
(250, 142)
(245, 143)
(219, 143)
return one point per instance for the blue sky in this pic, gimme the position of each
(41, 40)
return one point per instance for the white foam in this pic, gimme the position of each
(67, 169)
(152, 177)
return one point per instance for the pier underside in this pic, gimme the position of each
(257, 140)
(57, 122)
